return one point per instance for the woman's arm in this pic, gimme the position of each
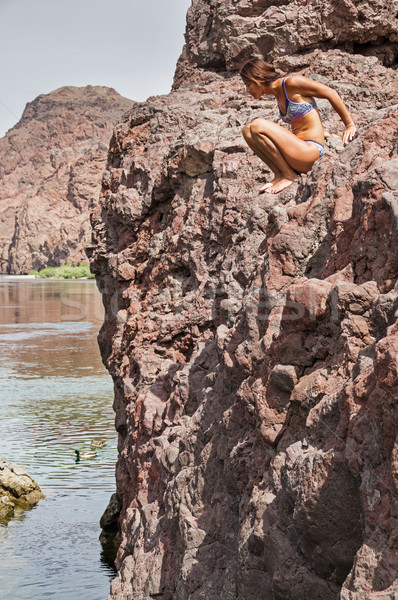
(308, 87)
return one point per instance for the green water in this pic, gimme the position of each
(55, 396)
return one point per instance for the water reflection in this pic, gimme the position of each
(40, 301)
(55, 396)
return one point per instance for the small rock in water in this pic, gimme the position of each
(20, 470)
(6, 508)
(17, 488)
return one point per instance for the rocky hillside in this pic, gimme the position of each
(222, 35)
(50, 167)
(253, 339)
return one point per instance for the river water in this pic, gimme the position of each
(55, 396)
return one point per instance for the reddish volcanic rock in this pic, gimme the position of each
(222, 35)
(252, 338)
(50, 166)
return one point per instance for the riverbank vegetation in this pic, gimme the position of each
(65, 272)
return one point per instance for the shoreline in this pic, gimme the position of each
(4, 277)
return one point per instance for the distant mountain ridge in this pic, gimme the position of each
(50, 173)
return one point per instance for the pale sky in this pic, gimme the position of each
(130, 45)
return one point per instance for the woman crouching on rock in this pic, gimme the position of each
(289, 153)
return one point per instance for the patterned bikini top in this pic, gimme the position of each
(294, 110)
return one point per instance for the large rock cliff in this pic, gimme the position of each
(50, 167)
(253, 340)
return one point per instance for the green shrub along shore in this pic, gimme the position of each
(65, 272)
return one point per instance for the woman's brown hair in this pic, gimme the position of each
(259, 71)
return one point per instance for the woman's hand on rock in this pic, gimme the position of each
(349, 133)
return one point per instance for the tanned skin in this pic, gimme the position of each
(286, 151)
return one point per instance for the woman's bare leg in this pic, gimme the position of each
(287, 174)
(284, 150)
(257, 149)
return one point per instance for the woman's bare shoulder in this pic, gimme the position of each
(297, 80)
(305, 85)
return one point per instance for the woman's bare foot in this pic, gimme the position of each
(270, 184)
(280, 185)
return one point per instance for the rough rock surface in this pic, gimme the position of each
(110, 537)
(50, 167)
(253, 340)
(221, 35)
(17, 488)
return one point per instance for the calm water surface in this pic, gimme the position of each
(55, 396)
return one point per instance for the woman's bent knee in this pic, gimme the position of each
(260, 126)
(246, 131)
(256, 126)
